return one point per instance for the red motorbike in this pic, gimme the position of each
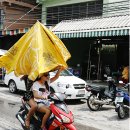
(60, 119)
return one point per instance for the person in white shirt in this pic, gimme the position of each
(41, 97)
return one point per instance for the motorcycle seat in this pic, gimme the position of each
(98, 89)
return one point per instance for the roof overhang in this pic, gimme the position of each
(94, 27)
(18, 3)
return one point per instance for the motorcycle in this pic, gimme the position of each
(60, 119)
(101, 96)
(122, 103)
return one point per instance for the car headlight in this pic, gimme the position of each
(63, 85)
(60, 84)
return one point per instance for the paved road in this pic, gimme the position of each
(105, 119)
(9, 105)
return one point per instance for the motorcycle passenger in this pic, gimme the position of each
(41, 97)
(29, 97)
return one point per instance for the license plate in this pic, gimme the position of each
(119, 99)
(81, 92)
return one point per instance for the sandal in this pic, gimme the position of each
(43, 128)
(27, 122)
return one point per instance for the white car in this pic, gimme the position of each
(67, 83)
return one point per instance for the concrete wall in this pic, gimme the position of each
(14, 16)
(49, 3)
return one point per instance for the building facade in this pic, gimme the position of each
(96, 32)
(16, 17)
(55, 11)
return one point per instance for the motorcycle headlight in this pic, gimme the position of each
(65, 119)
(58, 119)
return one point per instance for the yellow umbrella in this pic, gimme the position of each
(36, 52)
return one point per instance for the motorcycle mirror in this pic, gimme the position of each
(121, 82)
(105, 75)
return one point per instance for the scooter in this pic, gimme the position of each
(60, 119)
(122, 102)
(101, 96)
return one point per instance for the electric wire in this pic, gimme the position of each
(56, 14)
(22, 16)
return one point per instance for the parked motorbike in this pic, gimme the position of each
(60, 119)
(101, 96)
(122, 103)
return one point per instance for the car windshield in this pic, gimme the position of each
(63, 73)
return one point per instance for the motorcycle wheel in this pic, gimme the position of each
(121, 112)
(91, 105)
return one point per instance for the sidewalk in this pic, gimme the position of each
(104, 119)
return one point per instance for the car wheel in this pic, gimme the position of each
(12, 86)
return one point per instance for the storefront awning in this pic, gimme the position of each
(14, 32)
(93, 27)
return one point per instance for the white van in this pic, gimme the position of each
(67, 83)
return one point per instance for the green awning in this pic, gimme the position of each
(123, 32)
(98, 27)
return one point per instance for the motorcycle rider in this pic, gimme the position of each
(41, 97)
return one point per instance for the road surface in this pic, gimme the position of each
(105, 119)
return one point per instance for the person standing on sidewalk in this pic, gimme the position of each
(125, 74)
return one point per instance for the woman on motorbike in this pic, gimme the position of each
(41, 97)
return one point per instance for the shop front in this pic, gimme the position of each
(99, 45)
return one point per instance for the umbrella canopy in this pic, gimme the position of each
(36, 52)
